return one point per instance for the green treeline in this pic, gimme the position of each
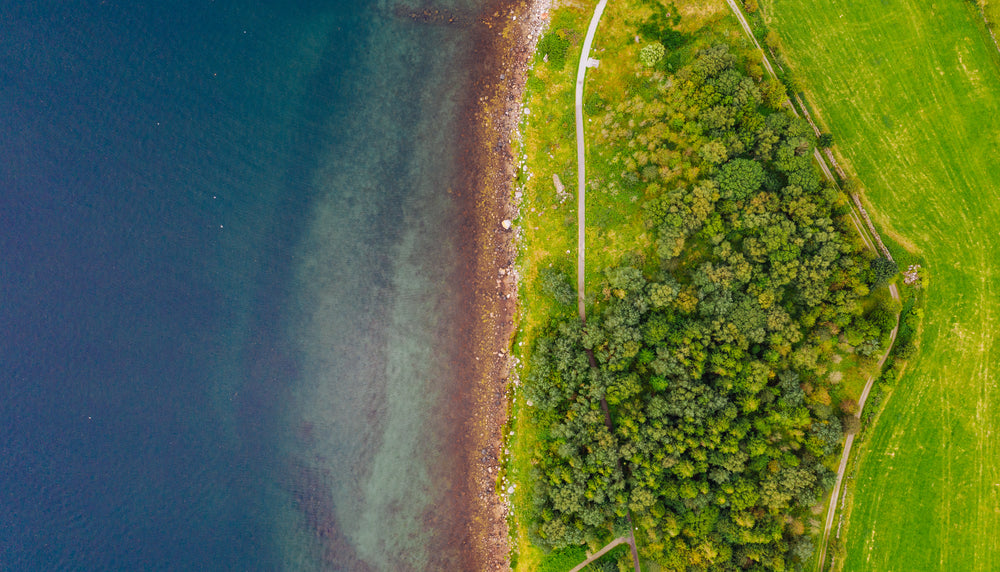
(694, 398)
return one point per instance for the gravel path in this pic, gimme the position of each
(581, 171)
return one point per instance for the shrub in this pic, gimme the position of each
(849, 406)
(802, 549)
(772, 40)
(904, 350)
(851, 425)
(883, 270)
(555, 284)
(554, 45)
(651, 54)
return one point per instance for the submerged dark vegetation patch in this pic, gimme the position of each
(695, 400)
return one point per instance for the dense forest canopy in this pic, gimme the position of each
(693, 400)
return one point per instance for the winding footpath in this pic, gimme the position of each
(581, 221)
(856, 208)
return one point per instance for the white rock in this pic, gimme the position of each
(506, 224)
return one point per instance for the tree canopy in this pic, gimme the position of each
(693, 398)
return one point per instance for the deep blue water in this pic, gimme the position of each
(166, 169)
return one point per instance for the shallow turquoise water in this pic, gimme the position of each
(229, 270)
(376, 348)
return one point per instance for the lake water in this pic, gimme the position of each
(230, 292)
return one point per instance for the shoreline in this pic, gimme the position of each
(502, 56)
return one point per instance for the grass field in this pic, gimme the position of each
(911, 90)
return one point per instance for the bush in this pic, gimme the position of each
(771, 40)
(651, 54)
(794, 83)
(849, 406)
(774, 93)
(868, 348)
(883, 270)
(825, 140)
(851, 425)
(828, 434)
(851, 185)
(802, 549)
(555, 284)
(882, 318)
(555, 45)
(904, 350)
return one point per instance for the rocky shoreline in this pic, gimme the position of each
(503, 54)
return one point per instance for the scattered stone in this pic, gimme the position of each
(912, 275)
(560, 188)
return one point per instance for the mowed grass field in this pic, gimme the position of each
(911, 90)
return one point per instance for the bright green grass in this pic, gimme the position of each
(912, 92)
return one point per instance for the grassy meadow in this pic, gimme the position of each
(912, 92)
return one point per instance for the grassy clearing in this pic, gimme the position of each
(912, 92)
